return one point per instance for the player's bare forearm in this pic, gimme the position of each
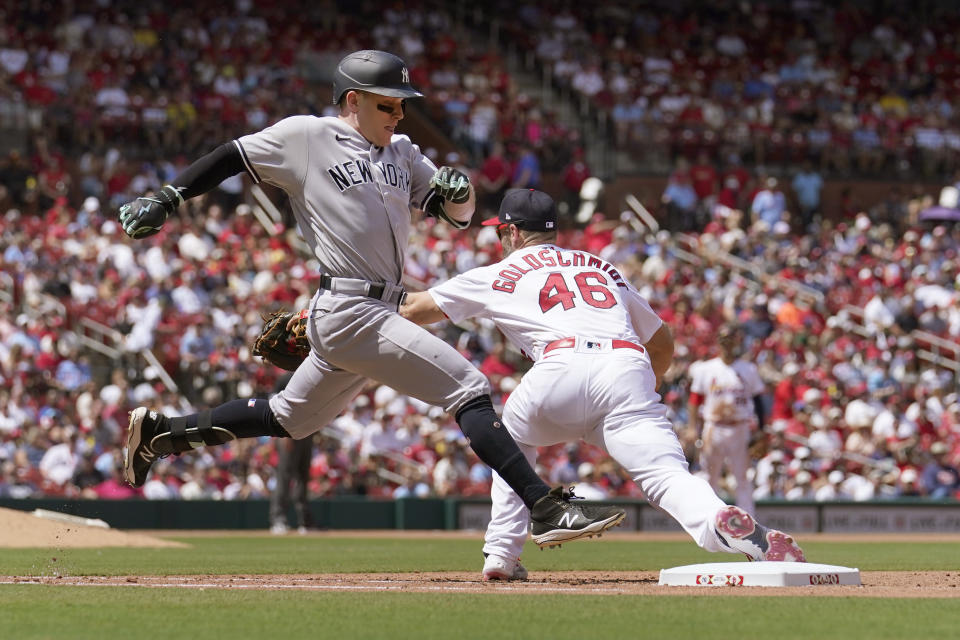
(660, 348)
(694, 421)
(692, 424)
(464, 210)
(421, 308)
(694, 430)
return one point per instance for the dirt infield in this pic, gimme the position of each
(19, 529)
(876, 584)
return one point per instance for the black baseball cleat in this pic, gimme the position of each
(555, 519)
(138, 457)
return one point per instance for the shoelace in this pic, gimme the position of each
(569, 496)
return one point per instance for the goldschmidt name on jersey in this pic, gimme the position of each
(551, 257)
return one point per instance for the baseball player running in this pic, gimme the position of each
(728, 389)
(352, 182)
(599, 351)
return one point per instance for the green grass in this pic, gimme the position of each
(41, 611)
(265, 554)
(106, 612)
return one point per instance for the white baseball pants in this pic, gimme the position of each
(608, 400)
(728, 443)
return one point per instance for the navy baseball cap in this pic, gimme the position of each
(529, 209)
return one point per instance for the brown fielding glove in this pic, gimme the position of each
(285, 348)
(759, 444)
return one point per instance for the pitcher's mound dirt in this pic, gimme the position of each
(20, 529)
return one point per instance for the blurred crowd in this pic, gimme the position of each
(102, 99)
(856, 410)
(856, 399)
(853, 408)
(859, 88)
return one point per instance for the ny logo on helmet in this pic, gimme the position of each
(406, 75)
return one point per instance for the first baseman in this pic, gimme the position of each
(598, 351)
(352, 182)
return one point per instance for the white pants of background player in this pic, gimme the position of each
(608, 400)
(728, 443)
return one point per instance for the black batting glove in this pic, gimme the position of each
(145, 216)
(451, 184)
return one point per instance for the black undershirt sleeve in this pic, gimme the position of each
(758, 408)
(209, 171)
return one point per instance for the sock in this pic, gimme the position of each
(243, 420)
(492, 443)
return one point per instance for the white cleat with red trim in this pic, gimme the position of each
(738, 530)
(500, 568)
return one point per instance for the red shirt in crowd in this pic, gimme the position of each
(704, 179)
(496, 168)
(574, 174)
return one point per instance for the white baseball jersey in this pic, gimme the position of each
(543, 293)
(727, 390)
(605, 397)
(351, 199)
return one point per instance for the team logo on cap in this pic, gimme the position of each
(405, 75)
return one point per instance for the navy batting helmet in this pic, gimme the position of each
(375, 71)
